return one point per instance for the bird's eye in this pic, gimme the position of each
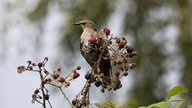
(83, 23)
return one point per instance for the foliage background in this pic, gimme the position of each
(160, 30)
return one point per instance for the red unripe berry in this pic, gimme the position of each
(76, 75)
(117, 73)
(106, 31)
(121, 45)
(93, 40)
(62, 80)
(132, 65)
(134, 53)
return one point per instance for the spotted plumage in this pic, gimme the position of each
(90, 51)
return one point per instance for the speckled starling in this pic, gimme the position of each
(90, 49)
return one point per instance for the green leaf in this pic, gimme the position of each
(166, 104)
(101, 105)
(176, 90)
(179, 104)
(110, 104)
(142, 107)
(133, 103)
(122, 106)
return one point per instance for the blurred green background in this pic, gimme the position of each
(160, 30)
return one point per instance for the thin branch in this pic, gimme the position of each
(63, 93)
(50, 104)
(42, 87)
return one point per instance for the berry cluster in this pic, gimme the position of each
(120, 53)
(41, 95)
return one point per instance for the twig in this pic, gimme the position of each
(63, 93)
(50, 104)
(87, 101)
(42, 87)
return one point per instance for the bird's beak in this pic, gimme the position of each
(77, 23)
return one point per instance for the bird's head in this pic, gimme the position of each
(86, 24)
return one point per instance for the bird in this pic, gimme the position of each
(92, 52)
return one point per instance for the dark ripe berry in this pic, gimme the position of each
(121, 45)
(76, 75)
(74, 102)
(98, 83)
(93, 40)
(117, 73)
(62, 80)
(55, 76)
(106, 31)
(33, 64)
(88, 76)
(129, 49)
(40, 64)
(92, 79)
